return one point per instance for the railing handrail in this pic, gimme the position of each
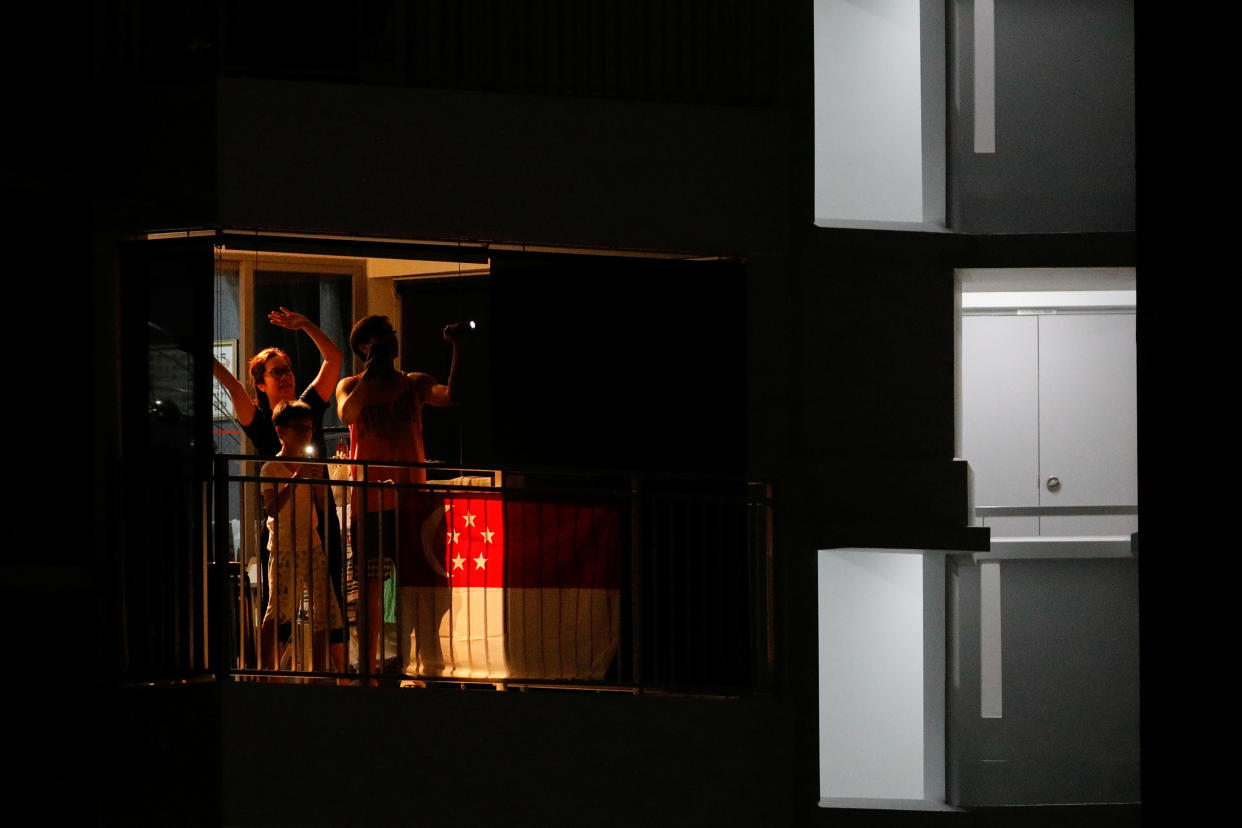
(442, 486)
(673, 665)
(519, 470)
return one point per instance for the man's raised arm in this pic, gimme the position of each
(349, 400)
(446, 394)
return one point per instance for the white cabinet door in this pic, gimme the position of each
(1051, 396)
(1088, 436)
(1000, 408)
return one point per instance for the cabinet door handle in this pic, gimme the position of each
(1054, 483)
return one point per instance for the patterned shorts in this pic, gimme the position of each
(375, 542)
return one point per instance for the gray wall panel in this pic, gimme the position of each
(1069, 732)
(1064, 104)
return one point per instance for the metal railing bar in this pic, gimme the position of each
(683, 616)
(219, 588)
(172, 604)
(383, 619)
(363, 605)
(705, 561)
(1051, 511)
(169, 678)
(652, 555)
(439, 465)
(438, 682)
(723, 540)
(636, 584)
(769, 620)
(260, 571)
(439, 488)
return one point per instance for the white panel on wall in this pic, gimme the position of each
(1000, 408)
(871, 683)
(985, 76)
(1087, 410)
(868, 111)
(991, 659)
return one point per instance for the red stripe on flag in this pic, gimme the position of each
(562, 542)
(455, 540)
(474, 540)
(519, 541)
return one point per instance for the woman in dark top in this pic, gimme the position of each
(272, 375)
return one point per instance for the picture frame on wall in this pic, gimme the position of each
(225, 350)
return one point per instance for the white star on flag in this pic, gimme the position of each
(480, 562)
(459, 563)
(487, 536)
(452, 537)
(469, 518)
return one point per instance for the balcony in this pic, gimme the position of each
(499, 578)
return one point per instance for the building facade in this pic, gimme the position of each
(818, 356)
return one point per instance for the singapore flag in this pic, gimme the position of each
(519, 586)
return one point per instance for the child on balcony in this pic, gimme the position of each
(297, 566)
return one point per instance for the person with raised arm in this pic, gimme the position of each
(274, 382)
(271, 372)
(383, 408)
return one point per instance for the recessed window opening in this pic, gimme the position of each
(507, 566)
(1047, 398)
(1047, 420)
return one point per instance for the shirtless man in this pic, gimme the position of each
(383, 408)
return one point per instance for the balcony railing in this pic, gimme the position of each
(633, 583)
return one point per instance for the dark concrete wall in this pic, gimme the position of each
(1065, 108)
(442, 757)
(408, 162)
(1070, 694)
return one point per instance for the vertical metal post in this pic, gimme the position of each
(218, 614)
(256, 540)
(360, 577)
(682, 672)
(326, 612)
(166, 580)
(768, 620)
(708, 569)
(243, 596)
(346, 541)
(200, 619)
(636, 583)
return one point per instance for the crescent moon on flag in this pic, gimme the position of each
(428, 533)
